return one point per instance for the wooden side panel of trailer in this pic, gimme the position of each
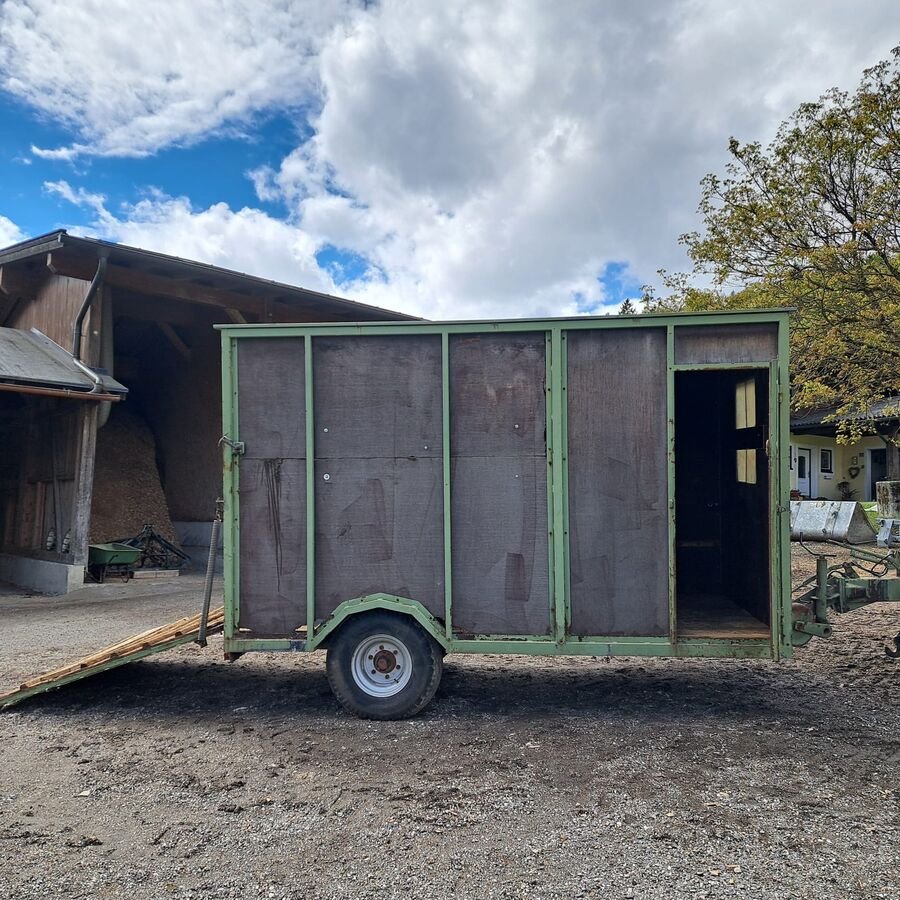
(498, 448)
(618, 511)
(271, 405)
(378, 474)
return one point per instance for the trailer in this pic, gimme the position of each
(612, 486)
(593, 486)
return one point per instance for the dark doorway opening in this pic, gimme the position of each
(722, 584)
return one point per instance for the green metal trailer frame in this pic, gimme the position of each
(317, 633)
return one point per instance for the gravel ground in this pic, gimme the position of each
(186, 777)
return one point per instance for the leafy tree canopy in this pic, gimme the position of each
(813, 221)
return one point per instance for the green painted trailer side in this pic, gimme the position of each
(316, 634)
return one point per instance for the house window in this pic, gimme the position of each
(826, 461)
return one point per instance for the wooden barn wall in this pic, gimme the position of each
(726, 343)
(272, 485)
(53, 310)
(499, 484)
(378, 469)
(618, 533)
(43, 442)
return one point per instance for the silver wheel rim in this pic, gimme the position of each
(381, 666)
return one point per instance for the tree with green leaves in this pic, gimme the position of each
(813, 221)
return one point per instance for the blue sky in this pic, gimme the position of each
(448, 160)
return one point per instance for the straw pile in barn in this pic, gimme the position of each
(127, 490)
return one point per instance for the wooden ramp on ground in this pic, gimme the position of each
(156, 640)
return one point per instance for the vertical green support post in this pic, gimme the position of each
(782, 506)
(231, 537)
(310, 486)
(445, 453)
(556, 459)
(670, 479)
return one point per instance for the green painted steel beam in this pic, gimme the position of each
(446, 471)
(310, 438)
(230, 523)
(653, 320)
(389, 602)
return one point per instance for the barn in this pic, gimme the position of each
(110, 411)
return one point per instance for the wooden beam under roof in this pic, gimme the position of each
(159, 286)
(175, 340)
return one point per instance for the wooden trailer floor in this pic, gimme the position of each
(139, 646)
(713, 616)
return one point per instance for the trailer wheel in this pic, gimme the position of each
(383, 665)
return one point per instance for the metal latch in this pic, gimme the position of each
(238, 448)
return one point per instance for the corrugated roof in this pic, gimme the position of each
(32, 359)
(887, 408)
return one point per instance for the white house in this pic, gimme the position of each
(823, 468)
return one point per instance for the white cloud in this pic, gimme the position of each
(10, 233)
(489, 160)
(129, 78)
(246, 240)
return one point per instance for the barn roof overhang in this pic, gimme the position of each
(30, 363)
(148, 273)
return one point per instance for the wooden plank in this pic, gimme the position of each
(379, 529)
(379, 486)
(175, 340)
(273, 546)
(271, 398)
(618, 506)
(726, 343)
(498, 415)
(139, 646)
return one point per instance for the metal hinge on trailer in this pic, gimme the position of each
(238, 448)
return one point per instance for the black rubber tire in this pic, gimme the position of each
(426, 657)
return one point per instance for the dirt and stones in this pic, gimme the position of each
(187, 777)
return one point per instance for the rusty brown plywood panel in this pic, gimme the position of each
(617, 482)
(726, 343)
(273, 546)
(379, 528)
(501, 581)
(498, 417)
(377, 397)
(379, 513)
(497, 386)
(271, 402)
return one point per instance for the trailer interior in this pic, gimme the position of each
(722, 504)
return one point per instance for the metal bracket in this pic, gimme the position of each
(238, 448)
(819, 629)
